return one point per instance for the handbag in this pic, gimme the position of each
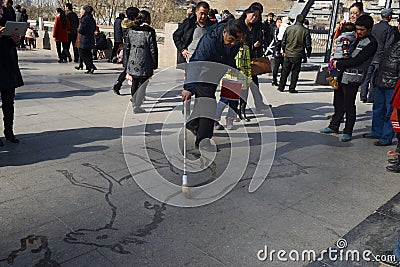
(231, 88)
(260, 65)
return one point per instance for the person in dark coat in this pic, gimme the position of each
(269, 27)
(86, 30)
(117, 34)
(142, 57)
(219, 45)
(9, 6)
(131, 14)
(10, 75)
(73, 30)
(251, 20)
(190, 31)
(386, 78)
(295, 39)
(277, 53)
(100, 42)
(385, 37)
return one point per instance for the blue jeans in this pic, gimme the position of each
(381, 112)
(397, 249)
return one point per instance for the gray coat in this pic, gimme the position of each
(141, 51)
(385, 36)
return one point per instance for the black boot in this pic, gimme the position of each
(8, 113)
(242, 111)
(11, 137)
(394, 168)
(116, 87)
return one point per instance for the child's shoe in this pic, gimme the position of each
(229, 123)
(333, 82)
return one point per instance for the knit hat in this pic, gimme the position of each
(386, 12)
(87, 8)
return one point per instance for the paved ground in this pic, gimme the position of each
(67, 197)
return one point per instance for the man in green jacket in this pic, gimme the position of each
(294, 40)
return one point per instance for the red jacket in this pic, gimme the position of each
(396, 96)
(396, 107)
(60, 34)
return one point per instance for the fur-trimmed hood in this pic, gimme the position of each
(127, 23)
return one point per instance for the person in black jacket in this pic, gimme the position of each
(73, 30)
(131, 14)
(385, 36)
(251, 19)
(9, 6)
(386, 78)
(86, 29)
(10, 75)
(220, 45)
(269, 27)
(190, 31)
(117, 35)
(277, 53)
(100, 42)
(353, 74)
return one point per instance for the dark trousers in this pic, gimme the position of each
(86, 55)
(72, 40)
(138, 90)
(80, 58)
(290, 64)
(202, 117)
(64, 52)
(122, 76)
(115, 49)
(22, 42)
(344, 100)
(278, 61)
(7, 99)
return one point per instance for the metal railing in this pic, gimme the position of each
(319, 39)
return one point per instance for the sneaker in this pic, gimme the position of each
(370, 136)
(393, 161)
(218, 126)
(328, 130)
(381, 143)
(229, 124)
(394, 168)
(346, 138)
(394, 153)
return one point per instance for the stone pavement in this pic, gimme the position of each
(67, 197)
